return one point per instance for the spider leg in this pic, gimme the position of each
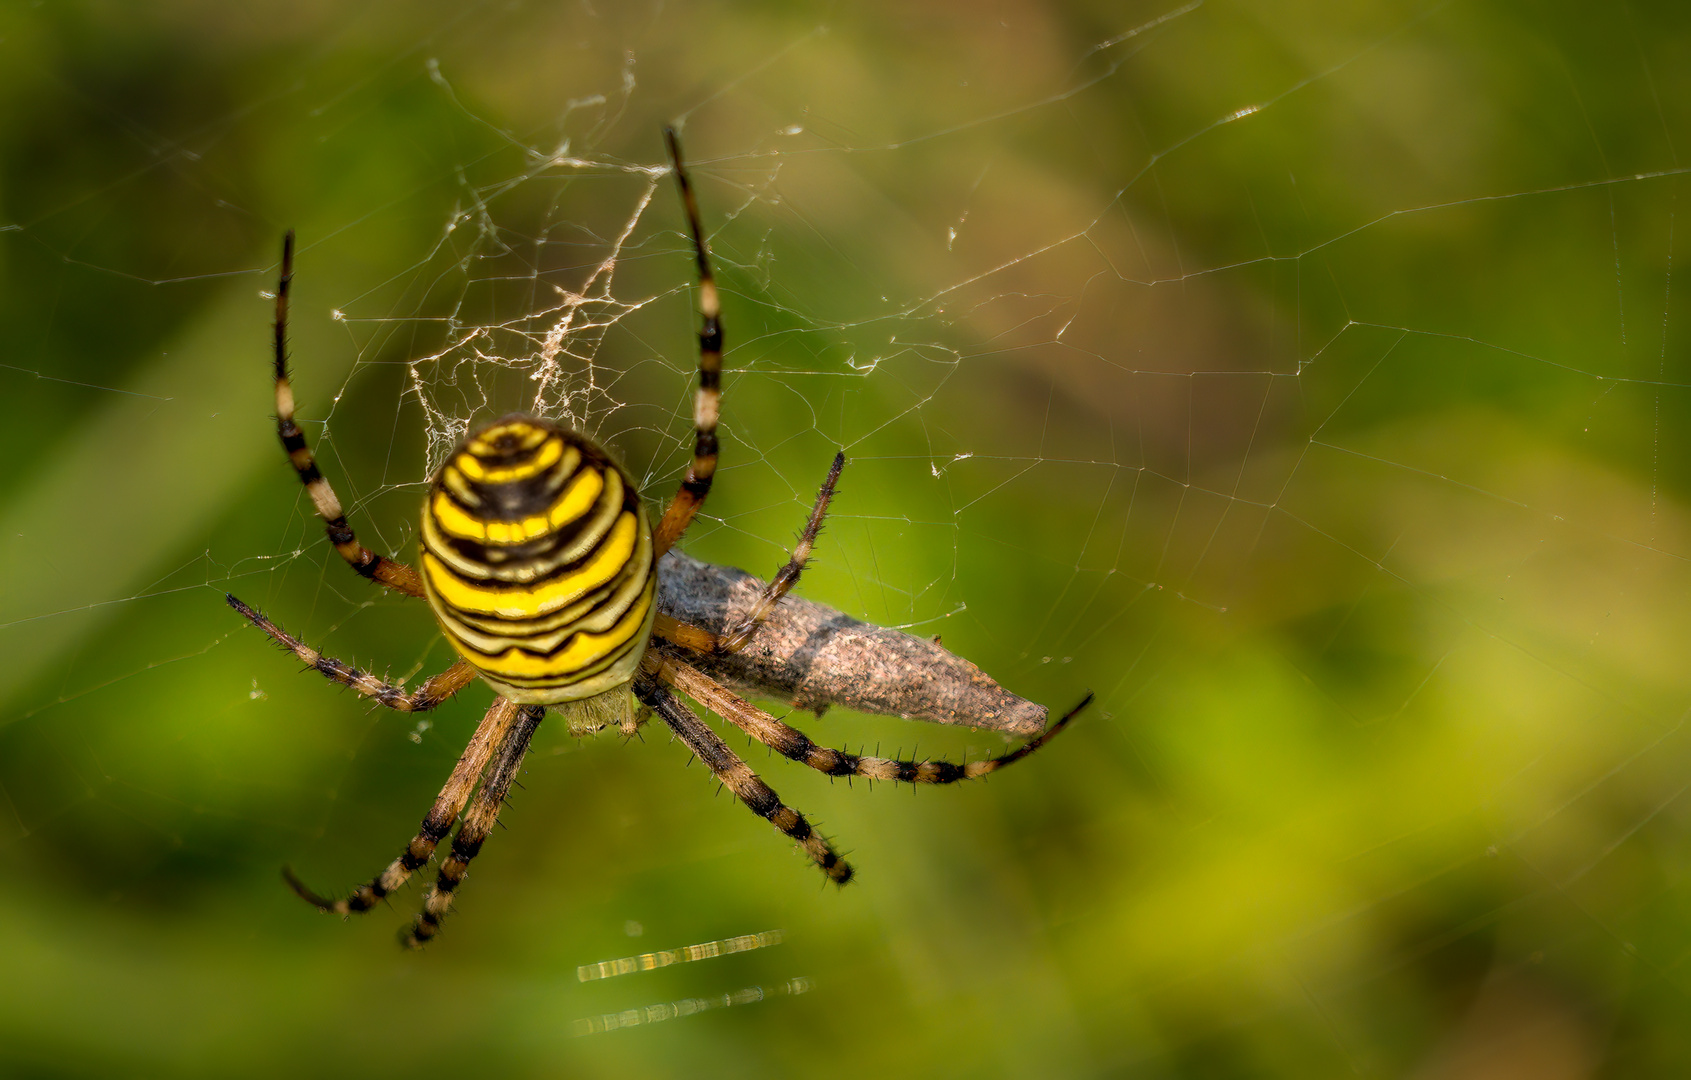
(478, 822)
(707, 402)
(727, 767)
(788, 576)
(378, 568)
(489, 734)
(433, 692)
(700, 640)
(791, 743)
(686, 635)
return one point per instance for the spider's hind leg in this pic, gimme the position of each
(707, 401)
(378, 568)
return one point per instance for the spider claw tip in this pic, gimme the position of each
(304, 892)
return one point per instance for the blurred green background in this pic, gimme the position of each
(1307, 378)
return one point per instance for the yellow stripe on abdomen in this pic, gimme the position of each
(538, 562)
(554, 594)
(544, 459)
(582, 652)
(524, 435)
(576, 500)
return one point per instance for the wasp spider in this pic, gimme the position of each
(541, 567)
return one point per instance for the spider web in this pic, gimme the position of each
(1307, 381)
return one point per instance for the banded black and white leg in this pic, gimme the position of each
(707, 400)
(740, 632)
(782, 583)
(793, 744)
(491, 734)
(478, 823)
(737, 777)
(707, 408)
(378, 568)
(429, 695)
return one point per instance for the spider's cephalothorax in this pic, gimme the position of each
(538, 562)
(542, 571)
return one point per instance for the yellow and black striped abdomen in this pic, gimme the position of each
(537, 558)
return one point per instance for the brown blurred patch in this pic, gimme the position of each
(1517, 1029)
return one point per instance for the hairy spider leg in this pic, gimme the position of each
(707, 401)
(701, 640)
(791, 743)
(788, 576)
(379, 568)
(734, 774)
(489, 735)
(432, 693)
(478, 822)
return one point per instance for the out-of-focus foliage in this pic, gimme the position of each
(1307, 378)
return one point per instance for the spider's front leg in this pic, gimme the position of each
(478, 823)
(735, 775)
(489, 736)
(793, 744)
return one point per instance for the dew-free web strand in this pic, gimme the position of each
(627, 965)
(671, 1010)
